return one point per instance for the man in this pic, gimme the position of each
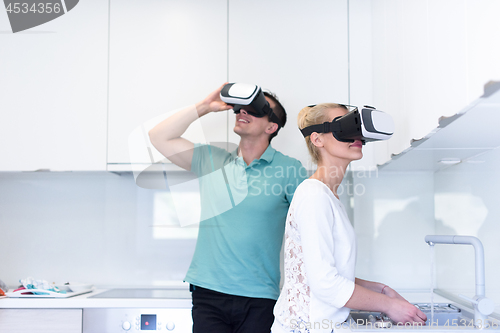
(234, 274)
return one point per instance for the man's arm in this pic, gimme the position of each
(297, 174)
(166, 136)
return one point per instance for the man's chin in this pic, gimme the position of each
(237, 130)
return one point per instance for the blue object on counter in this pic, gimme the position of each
(31, 283)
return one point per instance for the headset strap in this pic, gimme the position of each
(264, 106)
(326, 127)
(274, 118)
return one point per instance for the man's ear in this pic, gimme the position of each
(273, 127)
(317, 139)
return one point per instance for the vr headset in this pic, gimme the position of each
(250, 98)
(368, 125)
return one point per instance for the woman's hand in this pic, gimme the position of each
(392, 293)
(382, 298)
(401, 312)
(212, 103)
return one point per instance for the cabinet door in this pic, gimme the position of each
(164, 55)
(41, 320)
(297, 49)
(53, 92)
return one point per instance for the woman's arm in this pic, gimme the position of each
(398, 309)
(379, 288)
(373, 286)
(315, 221)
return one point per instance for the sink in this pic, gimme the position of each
(446, 317)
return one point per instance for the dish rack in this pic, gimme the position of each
(438, 307)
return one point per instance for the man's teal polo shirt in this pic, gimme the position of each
(243, 213)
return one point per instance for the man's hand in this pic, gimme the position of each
(212, 103)
(166, 136)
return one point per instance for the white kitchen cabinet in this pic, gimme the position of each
(41, 320)
(296, 49)
(164, 55)
(53, 92)
(419, 60)
(455, 140)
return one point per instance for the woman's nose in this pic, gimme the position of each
(244, 111)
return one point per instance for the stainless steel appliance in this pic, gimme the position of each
(174, 317)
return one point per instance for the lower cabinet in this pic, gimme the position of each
(41, 320)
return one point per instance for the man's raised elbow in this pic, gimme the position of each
(152, 137)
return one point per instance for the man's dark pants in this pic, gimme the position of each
(215, 312)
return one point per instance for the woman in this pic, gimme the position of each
(320, 244)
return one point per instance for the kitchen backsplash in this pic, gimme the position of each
(392, 214)
(467, 203)
(89, 227)
(393, 211)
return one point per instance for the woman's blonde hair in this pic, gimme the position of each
(313, 115)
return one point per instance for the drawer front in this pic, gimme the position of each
(40, 320)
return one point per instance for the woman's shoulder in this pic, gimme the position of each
(313, 191)
(312, 185)
(313, 202)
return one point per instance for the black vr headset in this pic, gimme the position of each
(250, 98)
(368, 125)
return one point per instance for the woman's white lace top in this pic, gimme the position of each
(320, 257)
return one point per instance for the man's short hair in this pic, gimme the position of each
(278, 110)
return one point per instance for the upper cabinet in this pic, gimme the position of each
(164, 55)
(181, 51)
(461, 138)
(419, 60)
(81, 93)
(296, 49)
(53, 92)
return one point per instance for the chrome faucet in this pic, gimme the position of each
(483, 306)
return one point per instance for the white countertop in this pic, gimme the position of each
(84, 302)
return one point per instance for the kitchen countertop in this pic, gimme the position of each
(84, 302)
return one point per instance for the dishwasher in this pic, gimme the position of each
(174, 317)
